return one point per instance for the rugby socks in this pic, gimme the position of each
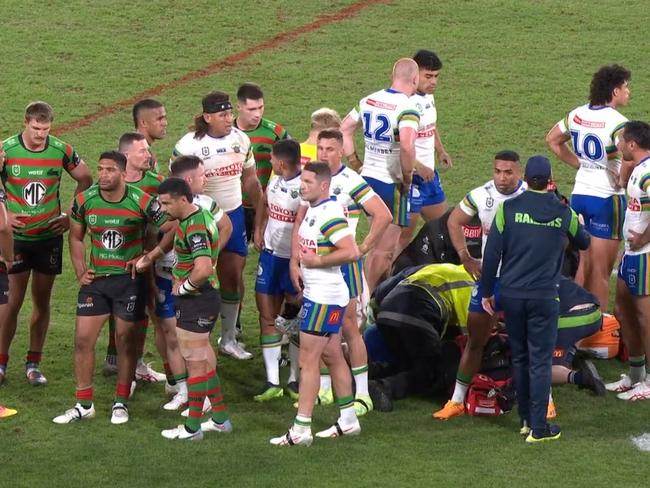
(4, 360)
(271, 351)
(360, 375)
(169, 374)
(141, 327)
(33, 357)
(219, 412)
(229, 312)
(122, 393)
(294, 365)
(197, 390)
(346, 407)
(575, 378)
(325, 379)
(637, 369)
(302, 424)
(85, 396)
(111, 350)
(180, 380)
(462, 385)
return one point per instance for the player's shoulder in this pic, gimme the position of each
(204, 202)
(187, 139)
(88, 195)
(59, 145)
(155, 176)
(11, 142)
(272, 126)
(238, 136)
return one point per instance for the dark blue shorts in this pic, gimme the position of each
(568, 334)
(165, 305)
(392, 196)
(321, 319)
(603, 216)
(475, 304)
(237, 242)
(273, 275)
(424, 194)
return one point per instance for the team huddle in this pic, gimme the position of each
(173, 250)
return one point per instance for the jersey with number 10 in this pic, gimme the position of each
(383, 114)
(116, 229)
(594, 133)
(32, 182)
(197, 235)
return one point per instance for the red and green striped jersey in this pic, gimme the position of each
(149, 183)
(262, 140)
(196, 235)
(116, 229)
(32, 181)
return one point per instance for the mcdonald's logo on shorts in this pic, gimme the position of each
(334, 317)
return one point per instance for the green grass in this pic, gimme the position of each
(511, 70)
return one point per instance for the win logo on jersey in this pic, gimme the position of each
(112, 239)
(33, 193)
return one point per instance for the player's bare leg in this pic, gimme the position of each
(358, 358)
(18, 286)
(380, 258)
(600, 259)
(269, 306)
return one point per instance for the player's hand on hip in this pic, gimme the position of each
(15, 220)
(143, 264)
(636, 240)
(88, 277)
(59, 224)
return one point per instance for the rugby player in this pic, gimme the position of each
(262, 133)
(192, 171)
(150, 119)
(427, 197)
(633, 285)
(355, 195)
(135, 147)
(273, 239)
(483, 201)
(229, 166)
(597, 196)
(325, 243)
(322, 119)
(390, 123)
(197, 307)
(115, 216)
(34, 163)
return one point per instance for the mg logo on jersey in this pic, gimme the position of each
(33, 193)
(112, 239)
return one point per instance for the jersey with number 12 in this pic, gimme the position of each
(383, 114)
(594, 133)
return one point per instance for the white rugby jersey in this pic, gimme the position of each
(225, 159)
(350, 189)
(637, 214)
(283, 200)
(323, 226)
(593, 134)
(484, 201)
(383, 114)
(425, 144)
(164, 264)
